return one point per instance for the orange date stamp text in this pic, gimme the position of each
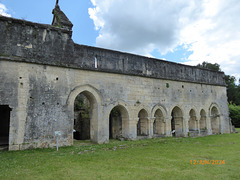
(207, 162)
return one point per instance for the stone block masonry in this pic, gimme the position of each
(42, 71)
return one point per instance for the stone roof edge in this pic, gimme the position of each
(39, 25)
(147, 58)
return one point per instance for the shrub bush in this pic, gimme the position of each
(235, 114)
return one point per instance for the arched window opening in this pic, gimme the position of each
(83, 108)
(158, 124)
(192, 121)
(215, 120)
(118, 120)
(115, 124)
(142, 125)
(177, 122)
(96, 62)
(203, 122)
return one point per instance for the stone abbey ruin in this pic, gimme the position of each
(50, 84)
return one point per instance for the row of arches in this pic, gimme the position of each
(155, 124)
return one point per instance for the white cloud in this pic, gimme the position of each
(3, 10)
(215, 37)
(208, 28)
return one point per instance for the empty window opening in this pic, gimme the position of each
(96, 62)
(192, 120)
(118, 122)
(158, 125)
(4, 124)
(177, 122)
(142, 125)
(82, 110)
(215, 120)
(203, 119)
(115, 124)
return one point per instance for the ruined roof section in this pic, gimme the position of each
(60, 19)
(24, 41)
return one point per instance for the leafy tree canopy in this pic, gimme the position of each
(206, 65)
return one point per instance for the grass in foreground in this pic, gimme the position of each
(164, 158)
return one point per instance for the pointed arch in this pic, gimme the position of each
(118, 122)
(143, 123)
(159, 125)
(215, 116)
(192, 120)
(95, 101)
(203, 120)
(177, 121)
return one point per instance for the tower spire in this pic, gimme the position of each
(57, 2)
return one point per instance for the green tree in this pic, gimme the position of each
(234, 111)
(207, 65)
(233, 91)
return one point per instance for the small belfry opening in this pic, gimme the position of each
(177, 122)
(84, 113)
(142, 125)
(215, 120)
(5, 111)
(158, 124)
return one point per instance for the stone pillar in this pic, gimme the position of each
(168, 130)
(185, 126)
(125, 127)
(150, 127)
(132, 128)
(198, 124)
(208, 125)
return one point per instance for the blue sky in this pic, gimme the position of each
(187, 32)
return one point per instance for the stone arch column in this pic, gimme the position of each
(208, 124)
(159, 113)
(179, 122)
(185, 120)
(132, 130)
(215, 117)
(198, 123)
(168, 127)
(151, 121)
(143, 123)
(96, 115)
(128, 127)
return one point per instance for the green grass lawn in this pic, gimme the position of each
(163, 158)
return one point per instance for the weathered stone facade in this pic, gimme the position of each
(42, 71)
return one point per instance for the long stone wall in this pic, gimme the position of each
(42, 71)
(44, 44)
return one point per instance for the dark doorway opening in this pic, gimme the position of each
(115, 123)
(82, 113)
(142, 125)
(4, 124)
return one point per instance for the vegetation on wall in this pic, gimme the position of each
(233, 92)
(82, 105)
